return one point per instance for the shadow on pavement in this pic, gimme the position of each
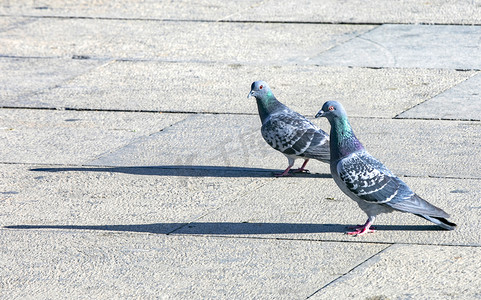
(190, 171)
(226, 228)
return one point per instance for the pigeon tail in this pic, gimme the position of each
(441, 222)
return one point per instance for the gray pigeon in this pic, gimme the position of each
(287, 131)
(367, 181)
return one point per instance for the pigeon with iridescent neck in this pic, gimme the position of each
(367, 181)
(287, 131)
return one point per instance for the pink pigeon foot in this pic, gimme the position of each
(285, 173)
(302, 168)
(361, 229)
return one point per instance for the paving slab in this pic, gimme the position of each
(409, 46)
(174, 41)
(412, 272)
(128, 203)
(378, 11)
(201, 140)
(315, 209)
(93, 264)
(9, 23)
(23, 77)
(142, 200)
(222, 88)
(423, 148)
(407, 147)
(178, 10)
(462, 102)
(358, 11)
(72, 137)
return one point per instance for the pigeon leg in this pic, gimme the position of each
(360, 230)
(301, 169)
(286, 171)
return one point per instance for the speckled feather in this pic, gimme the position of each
(366, 180)
(288, 131)
(292, 134)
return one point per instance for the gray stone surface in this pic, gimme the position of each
(174, 41)
(103, 197)
(358, 11)
(409, 46)
(222, 88)
(393, 278)
(97, 264)
(462, 102)
(201, 140)
(315, 209)
(72, 137)
(423, 148)
(22, 78)
(149, 9)
(11, 22)
(377, 11)
(415, 148)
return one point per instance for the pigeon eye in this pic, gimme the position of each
(260, 87)
(331, 108)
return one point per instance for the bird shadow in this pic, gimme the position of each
(225, 228)
(182, 170)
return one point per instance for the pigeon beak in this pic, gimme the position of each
(251, 93)
(320, 114)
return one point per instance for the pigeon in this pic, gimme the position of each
(288, 131)
(367, 181)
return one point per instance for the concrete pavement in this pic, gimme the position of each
(132, 165)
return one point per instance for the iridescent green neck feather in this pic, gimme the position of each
(266, 105)
(343, 141)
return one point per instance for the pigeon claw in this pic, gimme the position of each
(284, 174)
(361, 229)
(301, 170)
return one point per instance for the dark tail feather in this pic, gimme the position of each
(442, 222)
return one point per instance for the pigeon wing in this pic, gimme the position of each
(319, 147)
(371, 181)
(291, 133)
(367, 179)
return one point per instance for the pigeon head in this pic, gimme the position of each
(343, 141)
(260, 90)
(331, 110)
(266, 101)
